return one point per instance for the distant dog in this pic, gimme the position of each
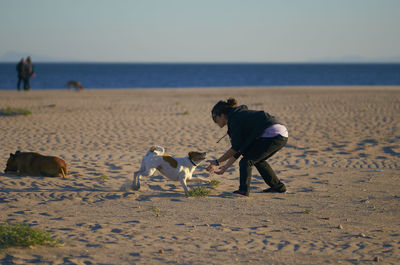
(77, 85)
(173, 168)
(27, 163)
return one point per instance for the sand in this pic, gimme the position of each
(341, 167)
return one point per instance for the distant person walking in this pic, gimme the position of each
(29, 72)
(21, 70)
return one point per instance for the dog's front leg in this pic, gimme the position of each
(200, 179)
(182, 179)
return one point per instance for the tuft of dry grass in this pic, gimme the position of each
(199, 191)
(103, 177)
(214, 183)
(14, 111)
(155, 210)
(22, 235)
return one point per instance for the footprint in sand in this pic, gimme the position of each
(392, 150)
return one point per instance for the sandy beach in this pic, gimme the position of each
(341, 167)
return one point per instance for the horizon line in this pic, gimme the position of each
(210, 62)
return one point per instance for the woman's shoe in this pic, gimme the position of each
(271, 190)
(241, 192)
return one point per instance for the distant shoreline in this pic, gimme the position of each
(188, 75)
(210, 63)
(204, 89)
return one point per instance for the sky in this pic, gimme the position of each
(200, 30)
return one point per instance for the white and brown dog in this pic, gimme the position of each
(173, 168)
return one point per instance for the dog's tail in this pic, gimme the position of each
(156, 149)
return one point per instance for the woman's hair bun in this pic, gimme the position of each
(223, 107)
(232, 102)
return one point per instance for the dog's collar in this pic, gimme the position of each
(191, 161)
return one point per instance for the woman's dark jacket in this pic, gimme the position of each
(21, 70)
(244, 126)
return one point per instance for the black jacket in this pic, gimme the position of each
(21, 69)
(244, 126)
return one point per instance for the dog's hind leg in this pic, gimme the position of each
(138, 174)
(136, 177)
(136, 180)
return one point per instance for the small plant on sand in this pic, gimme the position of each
(199, 191)
(214, 183)
(307, 211)
(103, 177)
(155, 210)
(22, 235)
(14, 111)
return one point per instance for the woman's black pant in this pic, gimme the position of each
(20, 78)
(256, 155)
(27, 85)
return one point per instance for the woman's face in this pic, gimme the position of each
(221, 120)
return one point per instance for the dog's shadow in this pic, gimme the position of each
(46, 189)
(174, 196)
(155, 187)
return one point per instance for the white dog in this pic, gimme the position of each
(173, 168)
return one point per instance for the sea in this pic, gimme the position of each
(199, 75)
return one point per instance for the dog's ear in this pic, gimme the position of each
(17, 152)
(11, 155)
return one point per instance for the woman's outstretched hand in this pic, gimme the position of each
(221, 171)
(211, 166)
(222, 168)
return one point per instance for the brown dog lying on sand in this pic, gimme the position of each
(27, 163)
(76, 84)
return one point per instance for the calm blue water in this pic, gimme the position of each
(120, 75)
